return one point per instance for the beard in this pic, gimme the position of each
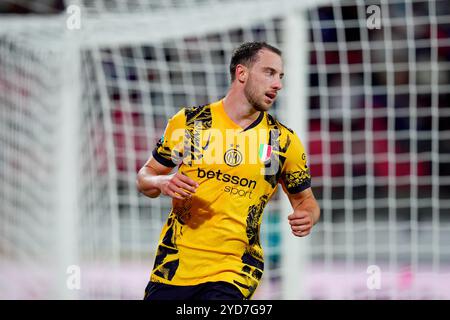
(252, 97)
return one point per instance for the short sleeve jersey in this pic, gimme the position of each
(215, 234)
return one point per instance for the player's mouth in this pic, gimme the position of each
(271, 96)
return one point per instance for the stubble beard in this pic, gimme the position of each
(252, 98)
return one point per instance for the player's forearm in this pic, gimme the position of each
(148, 182)
(311, 205)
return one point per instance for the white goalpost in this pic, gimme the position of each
(81, 110)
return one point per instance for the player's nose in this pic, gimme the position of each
(277, 84)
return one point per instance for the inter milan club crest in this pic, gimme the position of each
(265, 151)
(232, 157)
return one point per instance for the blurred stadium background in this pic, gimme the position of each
(81, 109)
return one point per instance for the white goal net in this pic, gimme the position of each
(82, 108)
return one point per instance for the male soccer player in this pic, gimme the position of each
(231, 155)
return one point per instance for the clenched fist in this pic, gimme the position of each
(301, 222)
(177, 186)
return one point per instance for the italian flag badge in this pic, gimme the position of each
(264, 152)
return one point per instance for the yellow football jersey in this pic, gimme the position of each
(214, 235)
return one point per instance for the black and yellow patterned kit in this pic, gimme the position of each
(214, 235)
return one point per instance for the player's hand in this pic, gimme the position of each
(301, 222)
(177, 186)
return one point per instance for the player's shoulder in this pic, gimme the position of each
(186, 113)
(188, 116)
(287, 138)
(196, 111)
(274, 122)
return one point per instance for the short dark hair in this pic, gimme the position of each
(247, 54)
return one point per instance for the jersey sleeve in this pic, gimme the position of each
(295, 176)
(169, 149)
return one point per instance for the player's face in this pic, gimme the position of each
(264, 80)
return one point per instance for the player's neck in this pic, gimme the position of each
(239, 109)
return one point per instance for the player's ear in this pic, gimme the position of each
(241, 73)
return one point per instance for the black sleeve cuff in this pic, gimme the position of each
(162, 160)
(299, 188)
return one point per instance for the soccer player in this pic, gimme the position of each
(230, 156)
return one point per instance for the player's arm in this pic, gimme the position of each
(154, 178)
(296, 183)
(306, 212)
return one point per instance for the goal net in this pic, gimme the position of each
(379, 146)
(82, 106)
